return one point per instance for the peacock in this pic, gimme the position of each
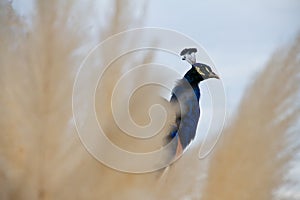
(185, 102)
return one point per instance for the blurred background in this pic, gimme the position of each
(255, 46)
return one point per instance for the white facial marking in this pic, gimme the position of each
(199, 71)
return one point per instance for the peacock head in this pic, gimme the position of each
(203, 70)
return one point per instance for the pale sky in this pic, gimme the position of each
(239, 36)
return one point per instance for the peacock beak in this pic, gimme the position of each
(214, 75)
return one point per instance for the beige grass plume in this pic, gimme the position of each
(250, 162)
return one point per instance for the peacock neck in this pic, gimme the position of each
(193, 77)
